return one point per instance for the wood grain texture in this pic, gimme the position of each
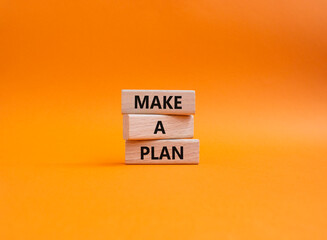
(187, 151)
(180, 102)
(143, 126)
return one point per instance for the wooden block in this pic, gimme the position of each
(151, 126)
(178, 102)
(172, 151)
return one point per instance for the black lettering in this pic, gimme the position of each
(164, 153)
(144, 151)
(166, 102)
(178, 102)
(145, 101)
(155, 102)
(180, 154)
(152, 154)
(159, 127)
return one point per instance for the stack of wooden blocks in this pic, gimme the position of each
(158, 126)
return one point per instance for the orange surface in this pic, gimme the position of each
(259, 71)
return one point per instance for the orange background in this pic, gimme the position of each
(259, 71)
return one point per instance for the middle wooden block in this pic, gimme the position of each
(152, 126)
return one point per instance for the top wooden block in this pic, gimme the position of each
(178, 102)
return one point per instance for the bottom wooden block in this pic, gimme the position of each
(173, 151)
